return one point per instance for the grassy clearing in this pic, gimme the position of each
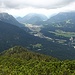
(63, 33)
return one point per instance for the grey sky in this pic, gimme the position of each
(25, 6)
(47, 4)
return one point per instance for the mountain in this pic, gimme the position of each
(11, 35)
(23, 53)
(62, 16)
(20, 61)
(61, 28)
(63, 21)
(5, 17)
(60, 25)
(32, 18)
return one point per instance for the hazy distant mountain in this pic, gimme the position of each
(5, 17)
(32, 18)
(62, 16)
(64, 21)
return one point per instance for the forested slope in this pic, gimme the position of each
(20, 61)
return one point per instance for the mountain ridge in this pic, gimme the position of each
(5, 17)
(23, 53)
(30, 63)
(61, 17)
(32, 18)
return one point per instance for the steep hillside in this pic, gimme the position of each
(5, 17)
(11, 35)
(20, 61)
(23, 53)
(63, 21)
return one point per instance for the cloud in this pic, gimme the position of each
(47, 7)
(47, 4)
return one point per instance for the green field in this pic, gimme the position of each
(63, 33)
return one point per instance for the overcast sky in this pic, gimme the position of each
(47, 7)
